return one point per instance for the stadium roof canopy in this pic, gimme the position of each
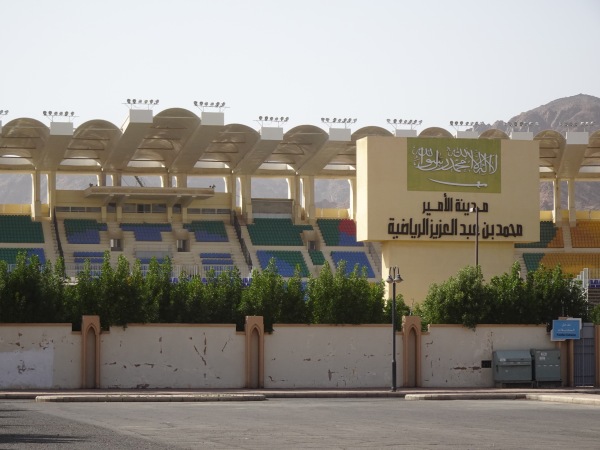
(176, 141)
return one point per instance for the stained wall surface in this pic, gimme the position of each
(177, 356)
(36, 356)
(452, 354)
(39, 356)
(324, 356)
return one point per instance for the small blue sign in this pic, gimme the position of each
(566, 329)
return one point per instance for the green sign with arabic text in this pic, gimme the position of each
(454, 165)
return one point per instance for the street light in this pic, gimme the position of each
(393, 278)
(476, 211)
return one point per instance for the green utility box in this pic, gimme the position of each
(512, 366)
(546, 365)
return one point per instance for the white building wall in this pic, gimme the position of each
(452, 354)
(39, 356)
(326, 356)
(172, 356)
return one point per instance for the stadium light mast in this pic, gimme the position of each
(403, 123)
(203, 106)
(393, 278)
(3, 112)
(337, 121)
(52, 115)
(133, 103)
(271, 119)
(404, 127)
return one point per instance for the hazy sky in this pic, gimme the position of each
(434, 60)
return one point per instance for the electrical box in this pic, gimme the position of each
(546, 365)
(512, 366)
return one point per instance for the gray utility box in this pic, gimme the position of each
(546, 365)
(512, 366)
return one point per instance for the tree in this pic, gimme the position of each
(555, 294)
(463, 299)
(543, 296)
(344, 298)
(320, 292)
(265, 295)
(223, 293)
(293, 307)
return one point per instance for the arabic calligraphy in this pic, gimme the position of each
(450, 205)
(430, 228)
(459, 160)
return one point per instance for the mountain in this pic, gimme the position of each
(335, 193)
(575, 109)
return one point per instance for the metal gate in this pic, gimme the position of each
(584, 357)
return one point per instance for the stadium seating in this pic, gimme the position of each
(276, 232)
(586, 234)
(286, 261)
(94, 257)
(532, 260)
(10, 254)
(352, 259)
(571, 263)
(317, 257)
(550, 237)
(217, 261)
(146, 231)
(83, 231)
(208, 230)
(338, 232)
(20, 229)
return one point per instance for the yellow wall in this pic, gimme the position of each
(386, 208)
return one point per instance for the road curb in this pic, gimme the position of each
(469, 396)
(151, 398)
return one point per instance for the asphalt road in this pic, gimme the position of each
(301, 424)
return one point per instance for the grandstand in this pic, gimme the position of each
(216, 228)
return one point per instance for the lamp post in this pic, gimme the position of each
(476, 211)
(393, 278)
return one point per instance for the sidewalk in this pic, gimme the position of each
(586, 396)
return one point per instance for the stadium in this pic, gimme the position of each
(218, 223)
(180, 186)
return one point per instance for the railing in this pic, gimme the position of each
(58, 243)
(177, 271)
(238, 232)
(375, 256)
(584, 277)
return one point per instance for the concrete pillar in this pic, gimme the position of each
(308, 188)
(255, 348)
(571, 202)
(51, 188)
(36, 204)
(556, 213)
(181, 179)
(90, 352)
(246, 197)
(352, 212)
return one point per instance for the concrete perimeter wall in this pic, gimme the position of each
(34, 356)
(176, 356)
(324, 356)
(452, 355)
